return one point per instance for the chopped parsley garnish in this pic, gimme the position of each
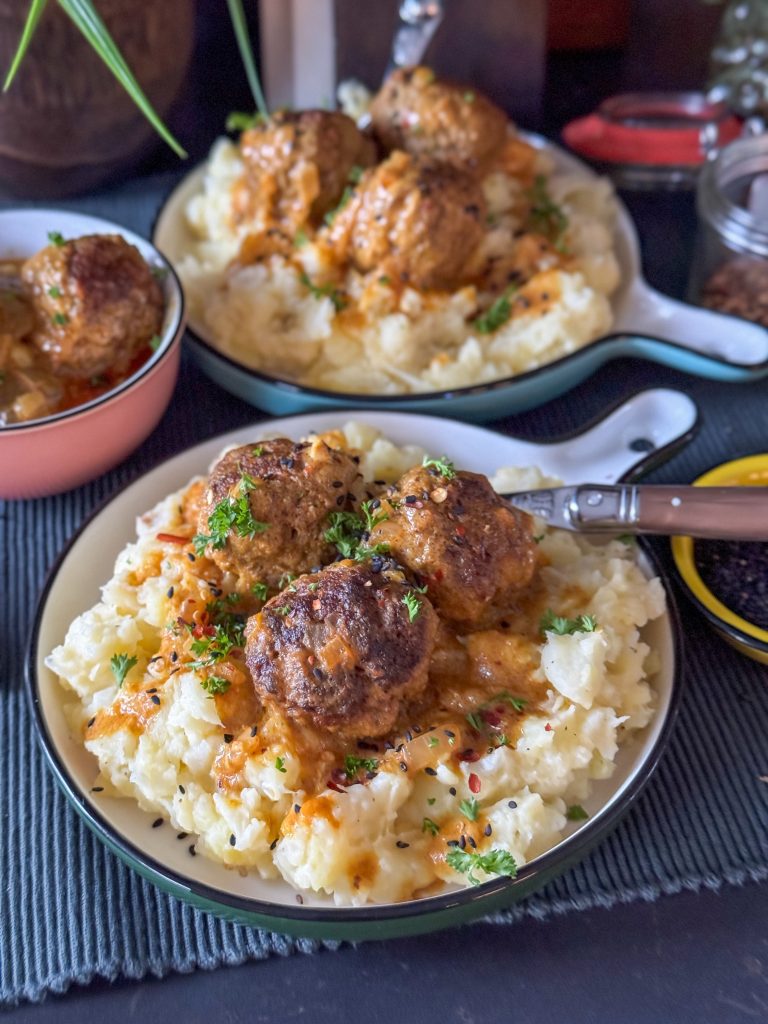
(433, 741)
(469, 97)
(475, 721)
(470, 808)
(539, 538)
(257, 451)
(545, 216)
(497, 314)
(431, 800)
(230, 514)
(352, 765)
(121, 665)
(325, 291)
(56, 238)
(209, 650)
(60, 319)
(280, 764)
(355, 173)
(155, 342)
(576, 813)
(430, 826)
(443, 465)
(413, 604)
(300, 239)
(239, 121)
(283, 609)
(159, 273)
(562, 626)
(285, 580)
(260, 590)
(215, 684)
(349, 531)
(54, 292)
(495, 862)
(518, 703)
(385, 280)
(346, 195)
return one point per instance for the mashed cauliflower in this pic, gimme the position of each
(388, 340)
(385, 840)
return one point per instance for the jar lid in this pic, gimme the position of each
(665, 131)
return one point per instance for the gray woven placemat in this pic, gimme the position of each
(71, 911)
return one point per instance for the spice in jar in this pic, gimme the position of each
(736, 572)
(739, 287)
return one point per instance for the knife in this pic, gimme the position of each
(725, 513)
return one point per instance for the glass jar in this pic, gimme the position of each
(730, 268)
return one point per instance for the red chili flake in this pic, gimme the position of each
(310, 659)
(201, 630)
(316, 605)
(334, 786)
(461, 530)
(438, 575)
(469, 755)
(490, 718)
(171, 538)
(474, 783)
(547, 727)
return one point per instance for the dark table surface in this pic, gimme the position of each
(693, 957)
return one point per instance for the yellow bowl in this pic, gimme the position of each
(749, 639)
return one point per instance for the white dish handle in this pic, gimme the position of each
(645, 311)
(645, 430)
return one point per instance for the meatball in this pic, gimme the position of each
(440, 120)
(343, 648)
(96, 303)
(297, 166)
(472, 549)
(266, 508)
(420, 223)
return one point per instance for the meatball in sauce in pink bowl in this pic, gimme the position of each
(91, 319)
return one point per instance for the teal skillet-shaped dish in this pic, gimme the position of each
(647, 325)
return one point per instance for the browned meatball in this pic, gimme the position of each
(97, 304)
(468, 545)
(268, 503)
(298, 165)
(416, 222)
(445, 121)
(343, 648)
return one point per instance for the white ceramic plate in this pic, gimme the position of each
(606, 452)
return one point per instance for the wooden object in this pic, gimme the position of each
(66, 124)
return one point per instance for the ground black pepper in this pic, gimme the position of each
(737, 574)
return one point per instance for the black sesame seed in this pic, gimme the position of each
(157, 657)
(182, 790)
(462, 842)
(472, 843)
(403, 766)
(191, 850)
(430, 771)
(97, 789)
(232, 839)
(457, 540)
(452, 791)
(90, 722)
(228, 737)
(273, 844)
(408, 735)
(297, 808)
(172, 673)
(254, 730)
(169, 592)
(401, 845)
(182, 835)
(488, 829)
(152, 690)
(380, 483)
(388, 745)
(318, 673)
(155, 699)
(191, 557)
(512, 804)
(364, 745)
(452, 842)
(411, 499)
(449, 734)
(157, 823)
(375, 503)
(174, 656)
(299, 899)
(356, 459)
(416, 729)
(504, 624)
(337, 484)
(287, 462)
(340, 500)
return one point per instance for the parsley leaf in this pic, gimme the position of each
(346, 195)
(413, 604)
(443, 465)
(300, 239)
(56, 238)
(325, 291)
(211, 649)
(352, 765)
(54, 292)
(280, 764)
(470, 808)
(495, 862)
(60, 319)
(576, 813)
(239, 121)
(260, 590)
(430, 826)
(230, 514)
(215, 684)
(155, 342)
(121, 665)
(496, 315)
(545, 216)
(562, 626)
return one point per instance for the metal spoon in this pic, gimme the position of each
(725, 513)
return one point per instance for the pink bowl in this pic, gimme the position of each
(58, 452)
